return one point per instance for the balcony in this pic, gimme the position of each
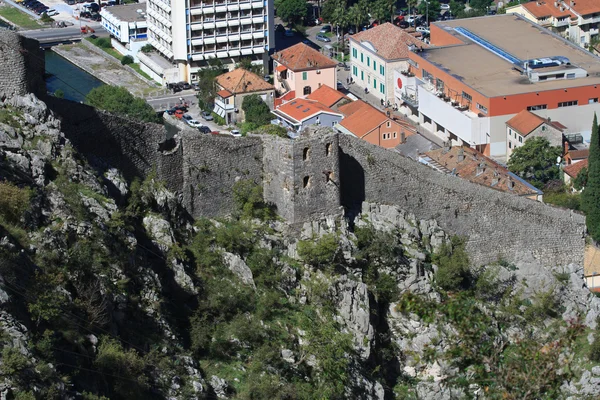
(221, 104)
(591, 20)
(411, 99)
(557, 24)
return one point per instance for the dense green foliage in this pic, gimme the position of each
(292, 11)
(453, 265)
(148, 48)
(256, 111)
(580, 180)
(206, 84)
(126, 60)
(119, 101)
(590, 198)
(535, 161)
(14, 201)
(430, 8)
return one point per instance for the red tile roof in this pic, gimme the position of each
(542, 8)
(579, 154)
(390, 41)
(525, 122)
(224, 93)
(327, 96)
(242, 81)
(585, 7)
(302, 109)
(301, 57)
(479, 169)
(362, 118)
(574, 169)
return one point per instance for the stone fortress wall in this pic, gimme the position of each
(310, 177)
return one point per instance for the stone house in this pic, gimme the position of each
(302, 69)
(376, 53)
(232, 87)
(526, 125)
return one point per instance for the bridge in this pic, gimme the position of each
(54, 36)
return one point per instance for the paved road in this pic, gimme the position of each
(58, 34)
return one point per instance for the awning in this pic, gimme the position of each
(224, 93)
(281, 68)
(219, 111)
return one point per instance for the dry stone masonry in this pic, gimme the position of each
(305, 178)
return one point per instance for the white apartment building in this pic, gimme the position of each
(191, 32)
(127, 27)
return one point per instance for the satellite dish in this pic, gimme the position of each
(558, 159)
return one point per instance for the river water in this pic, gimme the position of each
(61, 74)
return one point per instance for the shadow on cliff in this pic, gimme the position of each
(352, 185)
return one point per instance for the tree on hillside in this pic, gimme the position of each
(590, 198)
(535, 161)
(256, 111)
(292, 11)
(118, 100)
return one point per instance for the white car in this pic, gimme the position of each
(235, 133)
(422, 29)
(51, 12)
(444, 6)
(193, 123)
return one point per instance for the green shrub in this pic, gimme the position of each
(248, 198)
(321, 252)
(119, 101)
(594, 354)
(453, 265)
(126, 60)
(147, 49)
(563, 199)
(103, 43)
(14, 201)
(271, 129)
(45, 18)
(218, 119)
(247, 127)
(256, 110)
(13, 362)
(59, 94)
(113, 359)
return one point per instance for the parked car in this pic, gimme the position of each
(204, 129)
(289, 33)
(187, 117)
(403, 24)
(178, 114)
(206, 116)
(196, 86)
(444, 6)
(171, 111)
(51, 12)
(235, 133)
(322, 38)
(279, 28)
(422, 29)
(184, 85)
(340, 85)
(194, 123)
(325, 29)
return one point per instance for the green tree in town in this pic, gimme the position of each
(246, 63)
(590, 198)
(118, 100)
(292, 11)
(412, 5)
(535, 161)
(256, 111)
(429, 8)
(206, 83)
(358, 14)
(456, 8)
(580, 180)
(382, 10)
(480, 5)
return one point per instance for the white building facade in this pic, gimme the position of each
(190, 33)
(127, 26)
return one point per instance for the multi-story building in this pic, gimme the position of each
(191, 33)
(376, 53)
(483, 71)
(127, 27)
(576, 20)
(302, 70)
(526, 125)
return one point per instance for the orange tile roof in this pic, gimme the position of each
(302, 109)
(490, 174)
(242, 81)
(390, 41)
(224, 93)
(574, 169)
(541, 8)
(525, 122)
(327, 96)
(301, 57)
(585, 7)
(361, 118)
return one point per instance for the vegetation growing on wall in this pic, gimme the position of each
(119, 101)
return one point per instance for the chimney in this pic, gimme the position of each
(572, 3)
(480, 169)
(461, 154)
(447, 146)
(556, 4)
(566, 148)
(402, 137)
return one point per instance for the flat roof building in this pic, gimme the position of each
(483, 71)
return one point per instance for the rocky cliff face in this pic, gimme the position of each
(108, 288)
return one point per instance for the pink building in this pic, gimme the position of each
(302, 69)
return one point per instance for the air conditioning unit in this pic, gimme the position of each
(318, 71)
